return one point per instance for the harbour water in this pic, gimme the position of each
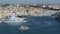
(36, 24)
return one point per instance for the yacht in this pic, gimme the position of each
(14, 18)
(22, 28)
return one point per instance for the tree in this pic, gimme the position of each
(5, 5)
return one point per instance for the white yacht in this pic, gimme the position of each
(22, 28)
(14, 19)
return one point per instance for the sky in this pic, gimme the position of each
(29, 1)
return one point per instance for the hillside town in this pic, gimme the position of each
(28, 10)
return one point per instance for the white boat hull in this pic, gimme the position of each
(14, 21)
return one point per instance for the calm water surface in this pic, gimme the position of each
(37, 25)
